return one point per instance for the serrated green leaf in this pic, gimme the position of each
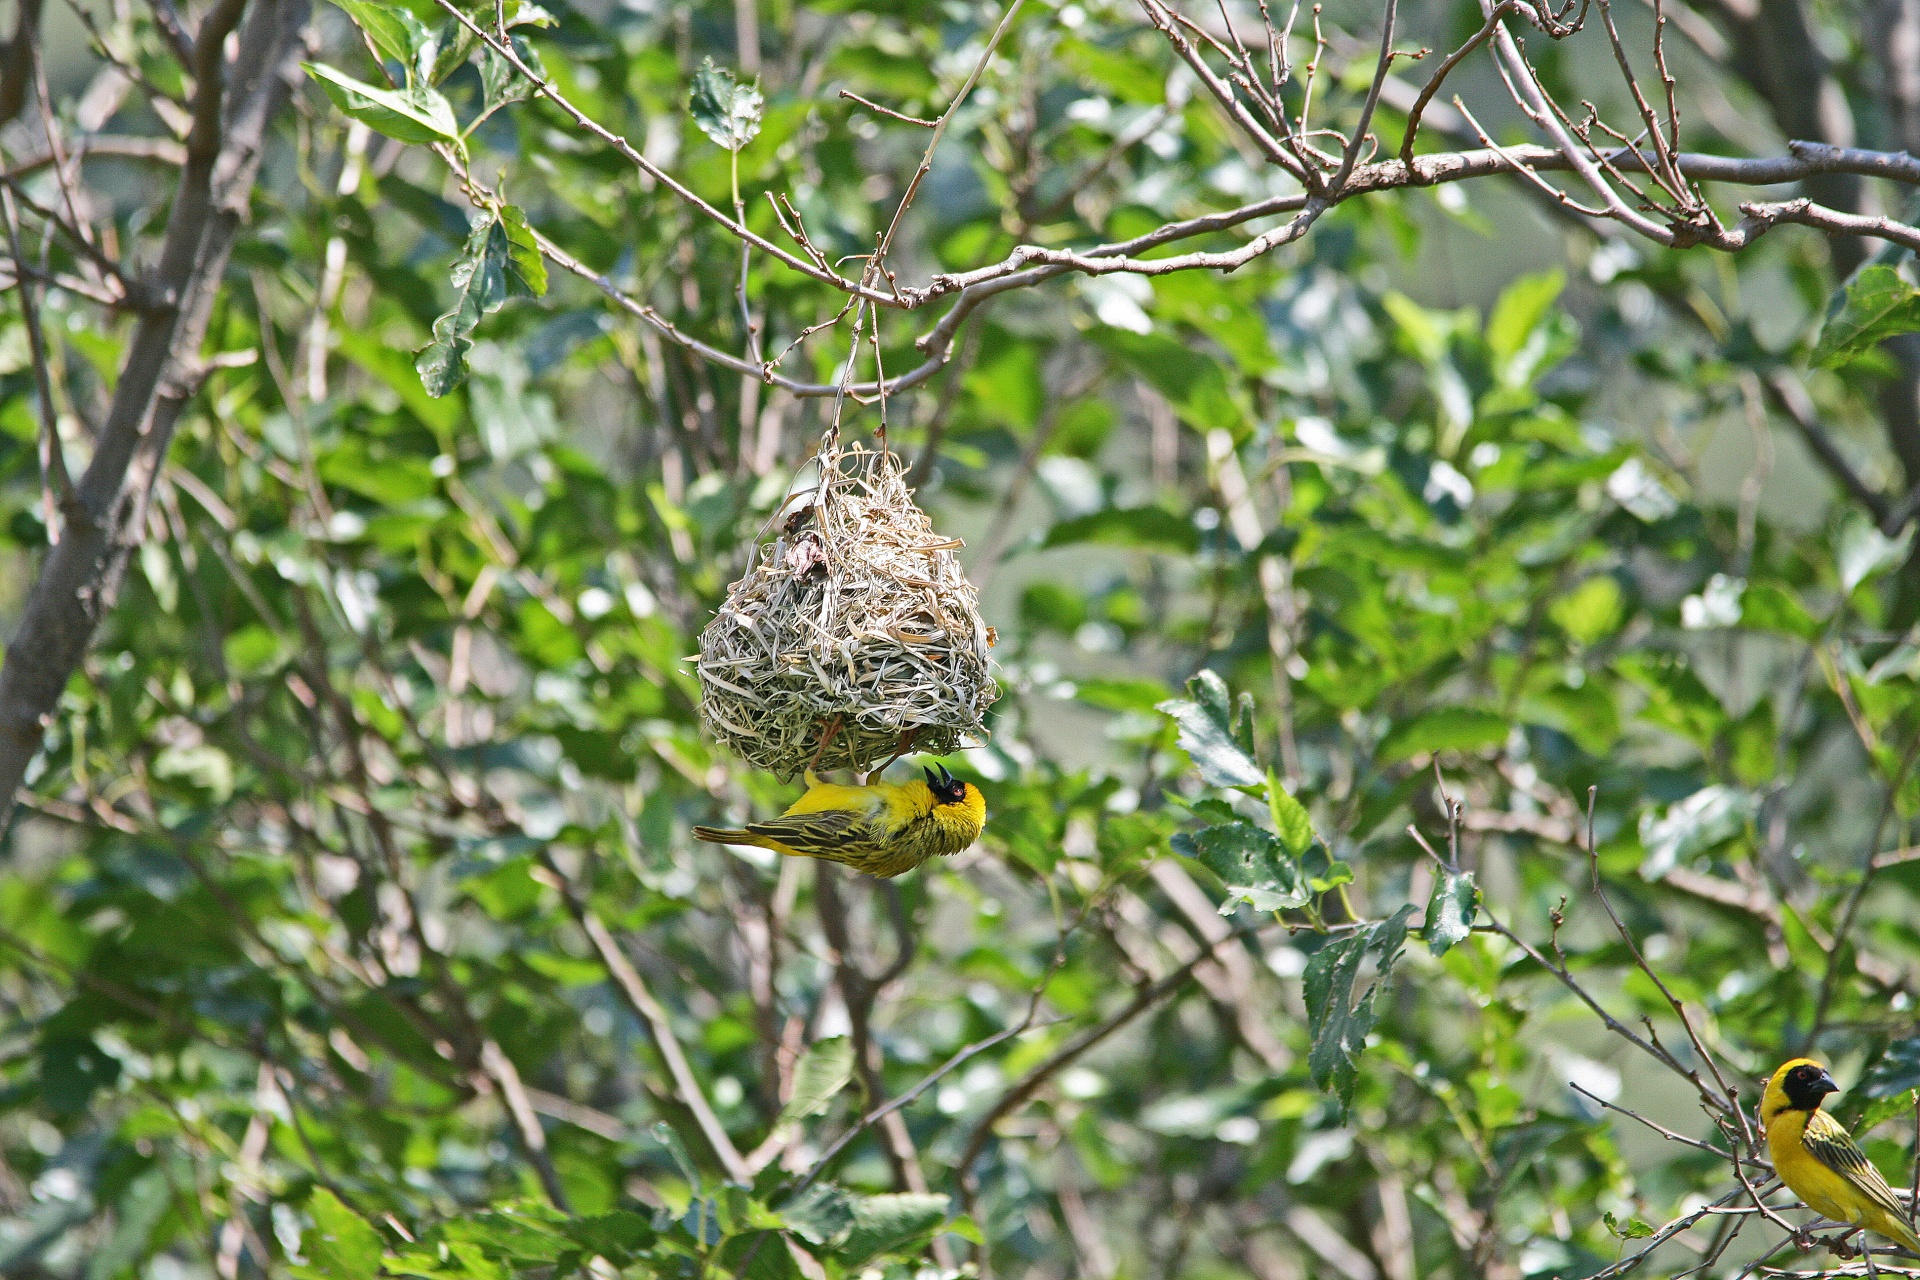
(726, 111)
(501, 82)
(821, 1073)
(1205, 734)
(820, 1215)
(500, 260)
(525, 266)
(423, 115)
(1252, 863)
(1877, 303)
(1337, 1024)
(1450, 911)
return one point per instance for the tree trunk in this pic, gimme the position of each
(103, 521)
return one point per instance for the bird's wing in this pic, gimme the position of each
(1828, 1142)
(826, 833)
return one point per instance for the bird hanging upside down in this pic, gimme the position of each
(1819, 1160)
(883, 828)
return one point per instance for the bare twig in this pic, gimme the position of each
(633, 989)
(1022, 1090)
(889, 112)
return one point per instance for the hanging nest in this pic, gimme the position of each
(856, 622)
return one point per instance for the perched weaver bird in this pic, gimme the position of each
(1819, 1160)
(883, 828)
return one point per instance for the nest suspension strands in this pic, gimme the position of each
(854, 637)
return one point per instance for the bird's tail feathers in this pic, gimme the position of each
(726, 835)
(1895, 1228)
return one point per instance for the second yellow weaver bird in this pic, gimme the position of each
(1819, 1160)
(883, 828)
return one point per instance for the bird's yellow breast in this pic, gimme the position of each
(1826, 1192)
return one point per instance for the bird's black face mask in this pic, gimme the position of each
(946, 788)
(1806, 1084)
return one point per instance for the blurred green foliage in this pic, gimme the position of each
(298, 956)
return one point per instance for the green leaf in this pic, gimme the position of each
(1896, 1071)
(1195, 384)
(1442, 729)
(727, 112)
(500, 260)
(738, 1212)
(1877, 303)
(1709, 817)
(1290, 818)
(1518, 314)
(1252, 863)
(72, 1069)
(821, 1073)
(1864, 552)
(1206, 734)
(1591, 611)
(393, 28)
(820, 1215)
(137, 1213)
(664, 1134)
(1450, 911)
(526, 266)
(1337, 1024)
(886, 1224)
(618, 1237)
(525, 13)
(1632, 1229)
(501, 82)
(1881, 1110)
(1767, 607)
(420, 116)
(1324, 872)
(1152, 528)
(340, 1245)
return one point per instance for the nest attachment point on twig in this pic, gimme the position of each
(856, 622)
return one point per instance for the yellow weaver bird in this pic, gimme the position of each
(883, 828)
(1819, 1160)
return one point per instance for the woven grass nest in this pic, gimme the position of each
(855, 622)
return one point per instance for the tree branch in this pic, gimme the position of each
(80, 577)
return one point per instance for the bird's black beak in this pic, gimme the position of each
(933, 779)
(945, 777)
(1825, 1084)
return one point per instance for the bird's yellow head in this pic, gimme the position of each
(1798, 1085)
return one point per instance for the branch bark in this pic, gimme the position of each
(80, 576)
(16, 60)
